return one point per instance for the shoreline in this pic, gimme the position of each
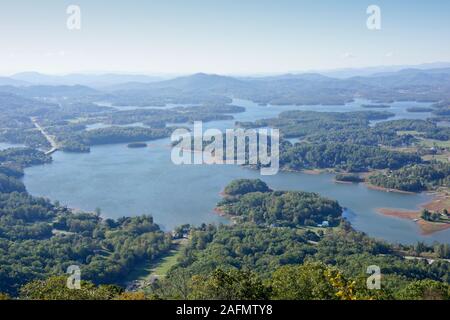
(389, 190)
(219, 211)
(344, 182)
(440, 202)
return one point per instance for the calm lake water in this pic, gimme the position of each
(128, 182)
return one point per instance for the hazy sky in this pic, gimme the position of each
(219, 36)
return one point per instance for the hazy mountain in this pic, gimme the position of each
(5, 81)
(369, 71)
(50, 91)
(419, 84)
(291, 76)
(408, 84)
(202, 81)
(14, 106)
(100, 80)
(409, 77)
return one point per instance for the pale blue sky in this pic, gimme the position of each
(219, 36)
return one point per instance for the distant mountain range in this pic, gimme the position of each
(370, 71)
(101, 80)
(5, 81)
(408, 84)
(112, 79)
(42, 91)
(413, 84)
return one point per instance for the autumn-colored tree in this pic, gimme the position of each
(4, 296)
(132, 296)
(229, 285)
(55, 288)
(311, 281)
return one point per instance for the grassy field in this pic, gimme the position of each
(429, 143)
(403, 133)
(166, 263)
(426, 143)
(159, 268)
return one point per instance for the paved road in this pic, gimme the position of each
(49, 138)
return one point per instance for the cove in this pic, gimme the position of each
(129, 182)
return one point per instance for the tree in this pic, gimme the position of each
(55, 288)
(311, 281)
(132, 296)
(425, 290)
(426, 215)
(420, 247)
(445, 212)
(177, 285)
(442, 250)
(244, 186)
(229, 285)
(435, 216)
(4, 296)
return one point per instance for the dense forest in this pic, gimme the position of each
(351, 142)
(352, 128)
(255, 263)
(414, 178)
(22, 157)
(242, 186)
(348, 157)
(277, 208)
(290, 263)
(39, 239)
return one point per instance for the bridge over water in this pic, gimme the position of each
(49, 138)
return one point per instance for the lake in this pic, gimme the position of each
(127, 182)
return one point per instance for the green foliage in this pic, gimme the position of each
(23, 157)
(349, 157)
(123, 134)
(298, 264)
(4, 296)
(283, 208)
(243, 186)
(415, 178)
(38, 240)
(55, 288)
(247, 247)
(11, 170)
(406, 125)
(354, 178)
(336, 127)
(430, 216)
(352, 252)
(425, 290)
(310, 281)
(228, 285)
(10, 184)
